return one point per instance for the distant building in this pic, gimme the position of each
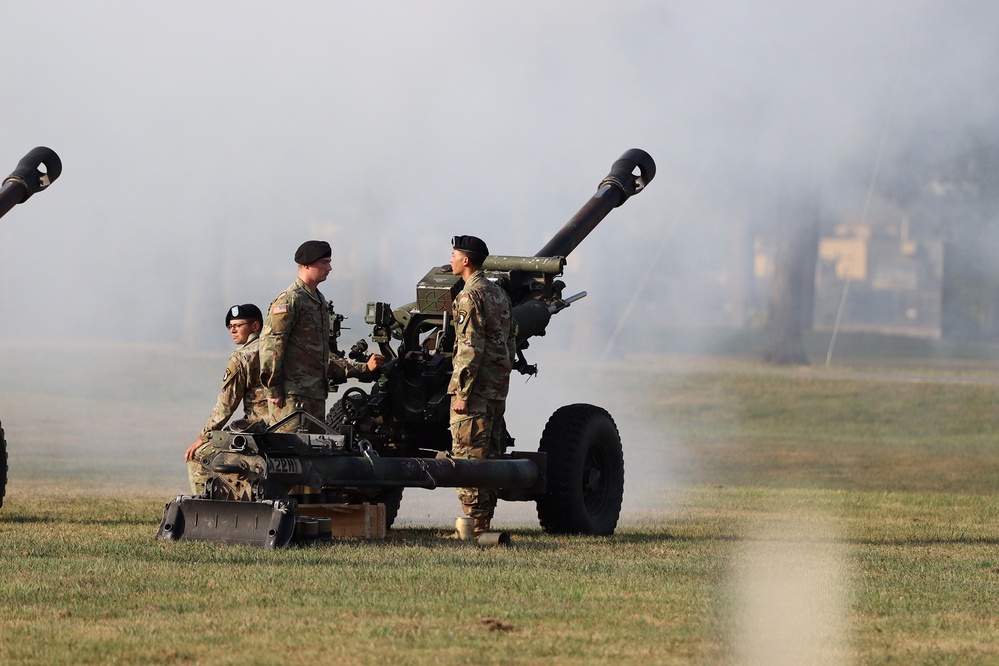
(884, 281)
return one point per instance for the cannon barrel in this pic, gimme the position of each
(620, 184)
(36, 171)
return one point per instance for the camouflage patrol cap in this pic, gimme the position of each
(246, 311)
(312, 251)
(474, 247)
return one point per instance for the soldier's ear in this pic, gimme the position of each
(255, 326)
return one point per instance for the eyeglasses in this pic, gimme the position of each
(233, 326)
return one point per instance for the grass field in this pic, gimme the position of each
(835, 516)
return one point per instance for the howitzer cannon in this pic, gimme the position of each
(36, 171)
(374, 444)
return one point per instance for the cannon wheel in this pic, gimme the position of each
(391, 498)
(3, 476)
(585, 474)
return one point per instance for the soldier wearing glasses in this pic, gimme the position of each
(240, 384)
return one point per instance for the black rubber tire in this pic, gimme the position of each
(336, 417)
(585, 477)
(3, 476)
(392, 499)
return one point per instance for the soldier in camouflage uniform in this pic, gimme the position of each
(240, 384)
(295, 363)
(484, 351)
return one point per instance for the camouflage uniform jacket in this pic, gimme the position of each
(241, 383)
(484, 345)
(295, 346)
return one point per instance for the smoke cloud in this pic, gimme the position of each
(203, 143)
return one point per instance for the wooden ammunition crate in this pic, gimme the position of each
(365, 521)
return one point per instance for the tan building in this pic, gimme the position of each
(884, 282)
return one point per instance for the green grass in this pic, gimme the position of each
(813, 429)
(847, 515)
(84, 582)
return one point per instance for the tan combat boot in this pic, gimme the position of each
(480, 526)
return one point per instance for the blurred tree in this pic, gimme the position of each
(969, 186)
(949, 182)
(792, 291)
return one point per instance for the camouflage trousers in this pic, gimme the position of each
(294, 403)
(197, 473)
(477, 435)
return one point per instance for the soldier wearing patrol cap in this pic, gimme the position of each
(484, 352)
(241, 383)
(295, 343)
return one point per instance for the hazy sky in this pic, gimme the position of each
(203, 141)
